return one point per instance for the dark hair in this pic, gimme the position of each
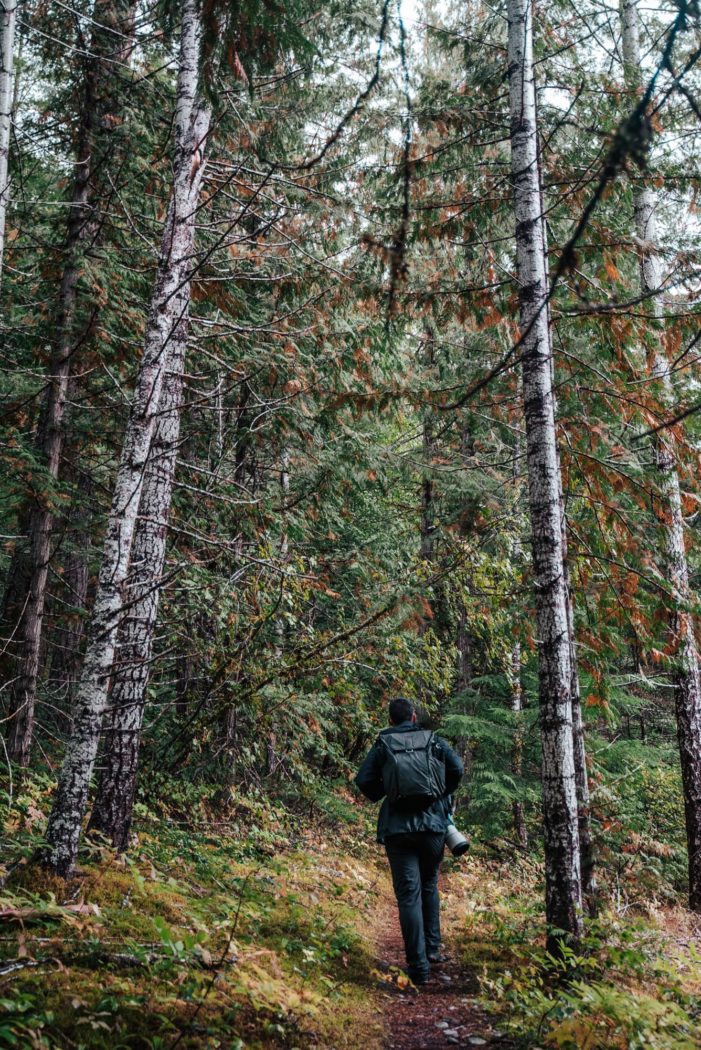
(400, 710)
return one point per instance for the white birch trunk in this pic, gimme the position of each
(165, 316)
(688, 678)
(516, 702)
(561, 836)
(516, 697)
(587, 865)
(586, 839)
(114, 800)
(581, 776)
(7, 49)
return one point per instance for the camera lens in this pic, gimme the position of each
(456, 843)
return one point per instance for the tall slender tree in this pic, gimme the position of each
(562, 859)
(516, 687)
(687, 674)
(586, 839)
(168, 304)
(114, 800)
(7, 49)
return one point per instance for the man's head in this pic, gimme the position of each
(401, 710)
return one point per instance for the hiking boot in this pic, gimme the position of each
(439, 956)
(419, 978)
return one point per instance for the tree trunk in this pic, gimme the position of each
(586, 839)
(518, 808)
(234, 720)
(7, 48)
(687, 677)
(429, 549)
(116, 789)
(516, 698)
(463, 638)
(67, 635)
(171, 293)
(25, 597)
(428, 525)
(273, 757)
(463, 644)
(562, 862)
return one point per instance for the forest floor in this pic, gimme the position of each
(259, 929)
(442, 1014)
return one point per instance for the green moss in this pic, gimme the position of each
(190, 935)
(33, 878)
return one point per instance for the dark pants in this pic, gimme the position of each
(415, 858)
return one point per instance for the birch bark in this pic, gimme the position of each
(25, 597)
(116, 789)
(7, 49)
(586, 839)
(687, 675)
(165, 318)
(561, 835)
(517, 808)
(516, 698)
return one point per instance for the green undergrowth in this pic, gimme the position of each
(244, 928)
(240, 921)
(635, 983)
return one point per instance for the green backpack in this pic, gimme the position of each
(413, 768)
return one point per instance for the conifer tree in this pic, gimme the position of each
(26, 586)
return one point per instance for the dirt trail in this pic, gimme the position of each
(441, 1014)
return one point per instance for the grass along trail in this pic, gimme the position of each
(257, 931)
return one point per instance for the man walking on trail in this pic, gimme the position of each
(415, 772)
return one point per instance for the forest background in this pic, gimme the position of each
(315, 393)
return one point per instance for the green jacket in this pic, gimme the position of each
(394, 819)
